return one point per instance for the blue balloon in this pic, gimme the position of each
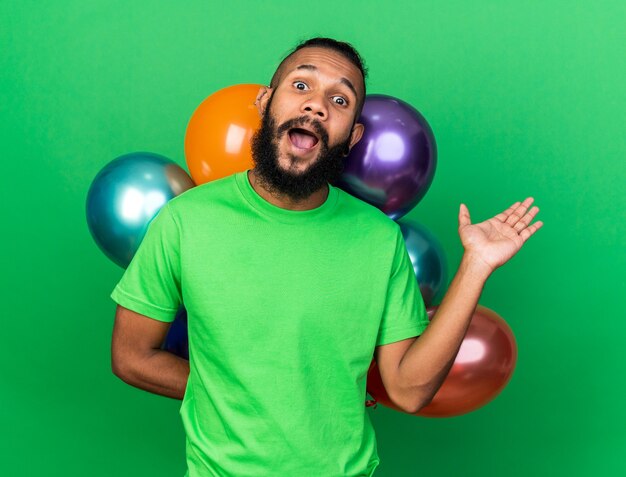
(177, 341)
(428, 259)
(126, 195)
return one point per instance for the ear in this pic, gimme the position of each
(264, 94)
(357, 134)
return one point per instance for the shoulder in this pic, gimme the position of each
(209, 193)
(366, 214)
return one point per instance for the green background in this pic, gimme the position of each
(524, 98)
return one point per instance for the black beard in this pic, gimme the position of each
(326, 168)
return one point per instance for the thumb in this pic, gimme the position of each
(464, 216)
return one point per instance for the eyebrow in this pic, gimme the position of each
(342, 80)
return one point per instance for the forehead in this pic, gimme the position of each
(327, 62)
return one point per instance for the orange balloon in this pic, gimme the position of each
(217, 141)
(482, 368)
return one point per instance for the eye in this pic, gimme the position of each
(340, 100)
(301, 85)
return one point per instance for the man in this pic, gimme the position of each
(291, 286)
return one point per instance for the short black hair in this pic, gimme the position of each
(341, 47)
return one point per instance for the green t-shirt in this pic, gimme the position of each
(284, 311)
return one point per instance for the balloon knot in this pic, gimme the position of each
(371, 403)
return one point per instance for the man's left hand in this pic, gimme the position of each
(494, 242)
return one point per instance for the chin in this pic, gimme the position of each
(295, 165)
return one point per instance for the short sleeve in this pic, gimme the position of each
(405, 314)
(151, 283)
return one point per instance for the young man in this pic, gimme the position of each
(291, 286)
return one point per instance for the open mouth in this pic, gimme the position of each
(303, 139)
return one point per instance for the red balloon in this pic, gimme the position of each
(482, 368)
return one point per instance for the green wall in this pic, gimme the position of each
(525, 98)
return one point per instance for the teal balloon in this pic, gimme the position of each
(428, 259)
(126, 195)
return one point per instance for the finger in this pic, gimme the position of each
(464, 216)
(505, 215)
(524, 221)
(519, 212)
(526, 233)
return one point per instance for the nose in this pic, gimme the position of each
(315, 106)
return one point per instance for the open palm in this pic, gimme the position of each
(497, 240)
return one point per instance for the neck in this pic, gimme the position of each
(316, 199)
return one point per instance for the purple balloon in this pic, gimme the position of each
(393, 164)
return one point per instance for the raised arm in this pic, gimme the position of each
(137, 358)
(413, 370)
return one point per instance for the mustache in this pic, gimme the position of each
(301, 121)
